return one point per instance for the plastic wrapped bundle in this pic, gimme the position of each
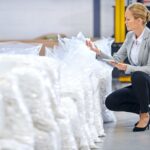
(16, 128)
(30, 83)
(71, 87)
(13, 48)
(64, 124)
(77, 56)
(101, 82)
(104, 44)
(52, 88)
(105, 77)
(36, 85)
(80, 135)
(49, 69)
(99, 97)
(105, 90)
(76, 51)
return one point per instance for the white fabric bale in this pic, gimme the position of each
(72, 87)
(33, 90)
(79, 67)
(44, 65)
(78, 51)
(75, 51)
(72, 83)
(104, 44)
(31, 87)
(14, 48)
(67, 136)
(45, 71)
(71, 109)
(11, 144)
(16, 127)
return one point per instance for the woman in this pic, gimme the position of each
(136, 97)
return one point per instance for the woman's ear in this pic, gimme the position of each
(140, 21)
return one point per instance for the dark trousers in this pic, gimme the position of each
(134, 98)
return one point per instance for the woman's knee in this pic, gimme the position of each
(138, 76)
(108, 102)
(113, 101)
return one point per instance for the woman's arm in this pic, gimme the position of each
(99, 53)
(119, 56)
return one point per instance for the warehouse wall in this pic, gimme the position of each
(107, 17)
(26, 19)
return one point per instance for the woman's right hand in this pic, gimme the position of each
(92, 47)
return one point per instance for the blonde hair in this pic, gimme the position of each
(139, 10)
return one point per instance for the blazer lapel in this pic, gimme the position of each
(143, 44)
(129, 49)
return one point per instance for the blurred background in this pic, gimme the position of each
(31, 18)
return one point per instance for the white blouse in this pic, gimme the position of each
(136, 48)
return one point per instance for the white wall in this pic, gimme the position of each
(27, 19)
(107, 17)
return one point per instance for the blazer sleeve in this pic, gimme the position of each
(118, 56)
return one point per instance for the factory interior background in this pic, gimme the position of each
(52, 88)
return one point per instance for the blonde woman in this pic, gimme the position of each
(136, 97)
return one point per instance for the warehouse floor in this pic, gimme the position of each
(119, 135)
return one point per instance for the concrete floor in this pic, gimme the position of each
(119, 135)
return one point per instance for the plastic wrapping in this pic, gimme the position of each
(72, 87)
(43, 117)
(16, 130)
(104, 45)
(13, 48)
(36, 79)
(64, 94)
(82, 78)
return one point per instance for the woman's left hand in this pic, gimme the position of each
(120, 66)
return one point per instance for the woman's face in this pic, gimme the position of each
(132, 24)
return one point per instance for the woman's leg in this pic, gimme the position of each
(123, 100)
(134, 98)
(141, 89)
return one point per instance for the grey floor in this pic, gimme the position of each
(119, 135)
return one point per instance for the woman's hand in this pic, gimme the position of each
(120, 66)
(92, 47)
